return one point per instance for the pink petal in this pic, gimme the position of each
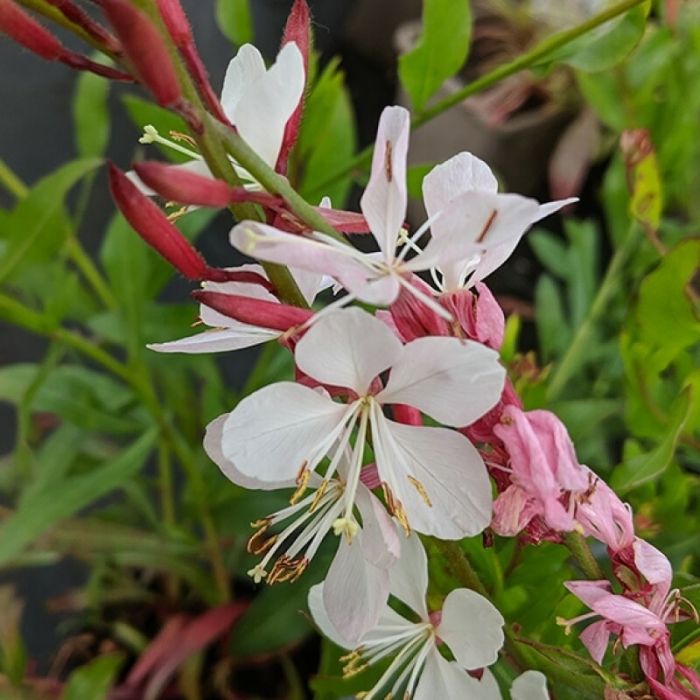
(595, 638)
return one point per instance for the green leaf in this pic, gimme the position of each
(582, 282)
(643, 468)
(327, 139)
(441, 51)
(42, 509)
(37, 226)
(553, 330)
(91, 119)
(414, 179)
(550, 251)
(608, 45)
(93, 680)
(667, 314)
(235, 20)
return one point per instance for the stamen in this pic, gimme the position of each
(302, 482)
(152, 135)
(421, 490)
(179, 136)
(320, 492)
(257, 573)
(395, 508)
(487, 226)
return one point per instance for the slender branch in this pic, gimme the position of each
(526, 60)
(12, 183)
(89, 271)
(577, 545)
(460, 566)
(570, 362)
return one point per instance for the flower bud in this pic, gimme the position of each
(145, 47)
(78, 16)
(25, 30)
(257, 312)
(153, 226)
(180, 185)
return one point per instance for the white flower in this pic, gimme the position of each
(468, 624)
(433, 478)
(258, 101)
(469, 221)
(504, 218)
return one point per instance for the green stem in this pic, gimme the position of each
(89, 271)
(460, 565)
(570, 362)
(577, 545)
(528, 59)
(12, 183)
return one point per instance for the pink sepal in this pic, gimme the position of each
(479, 314)
(412, 318)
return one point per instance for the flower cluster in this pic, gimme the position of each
(400, 421)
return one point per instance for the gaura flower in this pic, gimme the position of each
(543, 471)
(433, 478)
(468, 624)
(226, 333)
(496, 221)
(358, 577)
(472, 223)
(258, 101)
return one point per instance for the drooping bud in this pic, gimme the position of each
(257, 312)
(297, 30)
(145, 47)
(179, 185)
(162, 235)
(181, 33)
(25, 30)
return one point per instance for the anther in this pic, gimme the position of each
(421, 490)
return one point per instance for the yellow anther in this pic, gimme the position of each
(320, 492)
(179, 136)
(421, 490)
(302, 482)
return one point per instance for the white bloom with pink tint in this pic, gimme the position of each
(470, 223)
(493, 222)
(468, 624)
(433, 478)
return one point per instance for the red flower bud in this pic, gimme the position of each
(145, 47)
(257, 312)
(78, 16)
(181, 32)
(179, 185)
(298, 30)
(153, 226)
(18, 25)
(25, 30)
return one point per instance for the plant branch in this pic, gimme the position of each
(526, 60)
(577, 545)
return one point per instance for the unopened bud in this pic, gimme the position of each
(257, 312)
(145, 47)
(25, 30)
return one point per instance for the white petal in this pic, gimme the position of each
(476, 222)
(262, 110)
(531, 685)
(409, 577)
(309, 283)
(218, 340)
(355, 592)
(275, 432)
(459, 174)
(472, 627)
(448, 470)
(550, 208)
(379, 539)
(488, 687)
(212, 446)
(264, 242)
(454, 381)
(246, 68)
(320, 616)
(347, 348)
(384, 200)
(442, 680)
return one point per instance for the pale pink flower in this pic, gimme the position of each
(433, 478)
(468, 624)
(543, 471)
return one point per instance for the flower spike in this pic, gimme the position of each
(145, 47)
